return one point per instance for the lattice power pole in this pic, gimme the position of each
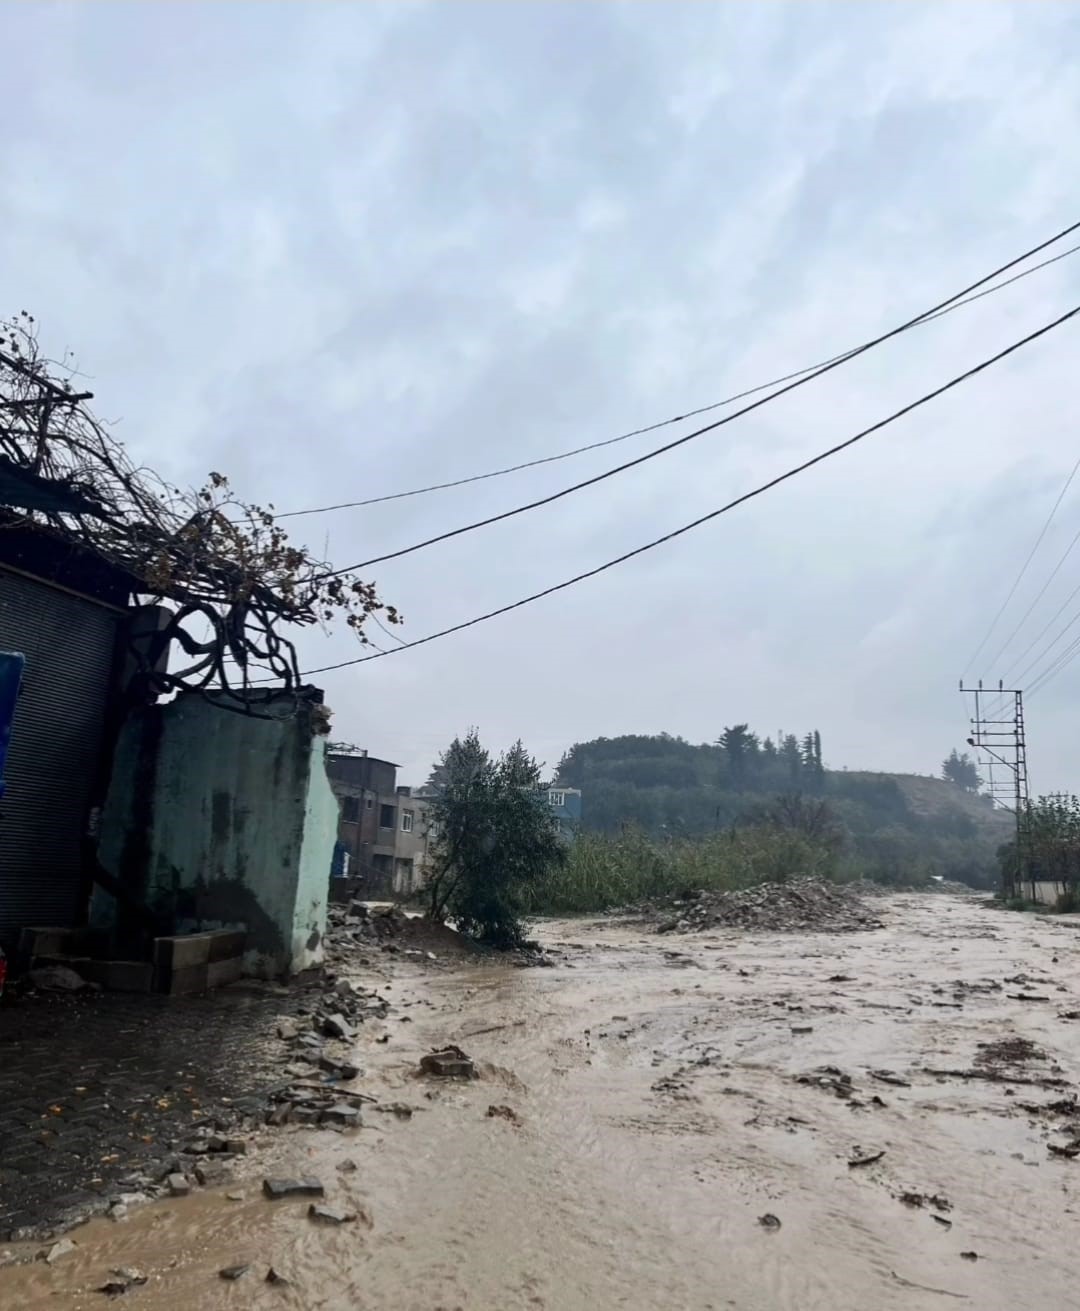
(997, 733)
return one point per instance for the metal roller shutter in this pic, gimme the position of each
(55, 744)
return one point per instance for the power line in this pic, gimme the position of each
(1064, 659)
(1041, 593)
(698, 432)
(713, 514)
(1008, 674)
(679, 418)
(1024, 568)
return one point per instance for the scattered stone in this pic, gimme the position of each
(347, 1167)
(118, 1211)
(942, 1221)
(969, 1256)
(210, 1173)
(873, 1158)
(305, 1186)
(235, 1197)
(336, 1025)
(344, 1070)
(233, 1272)
(399, 1109)
(341, 1113)
(840, 978)
(272, 1277)
(288, 1030)
(330, 1215)
(122, 1279)
(802, 1028)
(830, 1079)
(769, 1221)
(448, 1063)
(1069, 1150)
(936, 1200)
(179, 1185)
(62, 1248)
(503, 1113)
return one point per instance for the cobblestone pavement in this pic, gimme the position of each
(99, 1090)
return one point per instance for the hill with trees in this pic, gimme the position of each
(895, 828)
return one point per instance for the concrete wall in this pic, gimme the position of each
(1045, 892)
(218, 819)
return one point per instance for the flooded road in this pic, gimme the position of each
(669, 1092)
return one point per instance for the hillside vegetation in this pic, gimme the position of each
(894, 828)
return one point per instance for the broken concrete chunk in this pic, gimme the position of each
(330, 1215)
(209, 1173)
(448, 1063)
(336, 1026)
(288, 1030)
(179, 1185)
(341, 1113)
(305, 1186)
(58, 978)
(344, 1070)
(53, 1253)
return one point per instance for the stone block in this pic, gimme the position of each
(221, 972)
(227, 943)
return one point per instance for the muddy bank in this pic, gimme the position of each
(731, 1119)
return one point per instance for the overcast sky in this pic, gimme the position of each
(337, 251)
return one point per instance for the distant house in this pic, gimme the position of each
(565, 805)
(384, 830)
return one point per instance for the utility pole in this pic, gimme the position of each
(997, 733)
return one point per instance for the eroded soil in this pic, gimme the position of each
(723, 1120)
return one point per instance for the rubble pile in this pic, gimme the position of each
(318, 1056)
(801, 905)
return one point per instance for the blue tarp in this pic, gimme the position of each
(12, 664)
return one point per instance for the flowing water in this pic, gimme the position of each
(656, 1084)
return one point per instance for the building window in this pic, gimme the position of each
(387, 816)
(369, 803)
(556, 798)
(350, 809)
(406, 821)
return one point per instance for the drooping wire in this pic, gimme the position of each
(1023, 570)
(680, 418)
(713, 514)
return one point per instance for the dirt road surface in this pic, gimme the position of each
(657, 1114)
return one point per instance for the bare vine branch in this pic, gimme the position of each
(222, 561)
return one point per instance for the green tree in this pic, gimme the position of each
(740, 747)
(496, 837)
(792, 757)
(961, 770)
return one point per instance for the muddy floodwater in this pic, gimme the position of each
(719, 1120)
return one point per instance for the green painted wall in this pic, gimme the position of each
(218, 819)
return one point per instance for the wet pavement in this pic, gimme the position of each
(100, 1089)
(723, 1120)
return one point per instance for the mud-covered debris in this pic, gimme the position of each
(347, 1167)
(120, 1280)
(969, 1256)
(330, 1215)
(769, 1221)
(936, 1200)
(855, 1162)
(448, 1063)
(830, 1079)
(802, 1028)
(800, 905)
(1069, 1150)
(504, 1113)
(1008, 1051)
(840, 978)
(306, 1186)
(233, 1272)
(887, 1076)
(400, 1110)
(344, 1070)
(942, 1220)
(59, 978)
(1027, 996)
